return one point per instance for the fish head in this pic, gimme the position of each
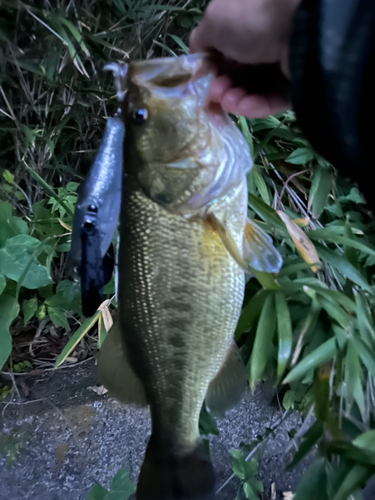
(173, 144)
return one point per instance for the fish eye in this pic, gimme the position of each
(139, 116)
(92, 208)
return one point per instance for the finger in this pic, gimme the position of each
(261, 106)
(232, 98)
(198, 41)
(219, 87)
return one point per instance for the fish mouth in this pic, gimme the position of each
(171, 72)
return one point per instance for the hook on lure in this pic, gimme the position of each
(98, 205)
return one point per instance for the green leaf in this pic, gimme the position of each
(350, 253)
(238, 463)
(266, 280)
(102, 332)
(365, 323)
(70, 293)
(29, 308)
(58, 317)
(266, 213)
(9, 225)
(243, 469)
(313, 485)
(97, 492)
(353, 378)
(2, 283)
(9, 177)
(244, 126)
(300, 156)
(9, 309)
(309, 439)
(289, 399)
(251, 489)
(207, 424)
(76, 337)
(121, 486)
(321, 355)
(180, 43)
(366, 440)
(263, 340)
(261, 185)
(251, 312)
(350, 451)
(334, 310)
(17, 255)
(342, 266)
(356, 477)
(335, 296)
(284, 332)
(335, 209)
(332, 236)
(259, 124)
(320, 189)
(366, 354)
(42, 183)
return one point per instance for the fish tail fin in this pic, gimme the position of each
(176, 478)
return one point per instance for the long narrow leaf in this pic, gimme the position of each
(263, 340)
(284, 332)
(343, 266)
(251, 312)
(321, 355)
(76, 337)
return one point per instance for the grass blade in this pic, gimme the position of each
(76, 337)
(284, 331)
(251, 312)
(321, 355)
(263, 340)
(343, 266)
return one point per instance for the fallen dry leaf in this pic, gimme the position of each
(106, 314)
(273, 491)
(302, 222)
(303, 244)
(71, 359)
(101, 390)
(288, 495)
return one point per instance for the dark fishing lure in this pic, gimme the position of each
(97, 209)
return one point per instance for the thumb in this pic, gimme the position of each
(197, 40)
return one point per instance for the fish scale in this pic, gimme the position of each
(170, 317)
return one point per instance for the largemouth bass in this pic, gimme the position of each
(182, 256)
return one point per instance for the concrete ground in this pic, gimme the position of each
(64, 437)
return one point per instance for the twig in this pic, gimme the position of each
(296, 174)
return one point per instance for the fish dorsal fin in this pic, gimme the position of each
(115, 372)
(259, 251)
(229, 385)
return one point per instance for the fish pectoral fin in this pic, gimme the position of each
(115, 372)
(228, 241)
(259, 251)
(229, 385)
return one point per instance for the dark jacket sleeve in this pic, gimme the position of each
(332, 62)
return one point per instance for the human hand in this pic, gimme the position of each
(250, 39)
